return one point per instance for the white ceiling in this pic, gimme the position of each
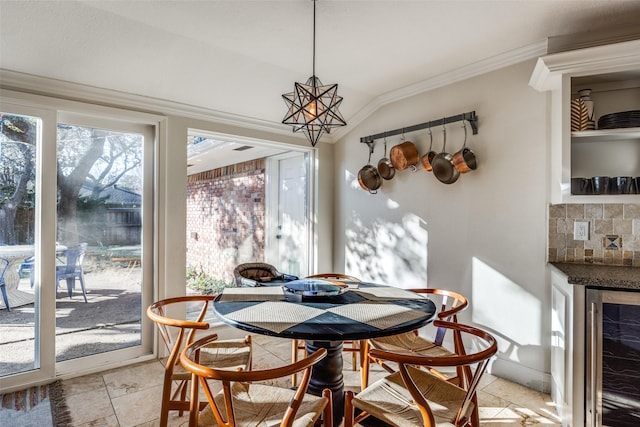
(238, 57)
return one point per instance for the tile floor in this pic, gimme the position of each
(130, 396)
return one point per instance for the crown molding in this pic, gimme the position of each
(44, 86)
(78, 92)
(548, 72)
(493, 63)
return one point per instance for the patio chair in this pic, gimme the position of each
(227, 354)
(353, 347)
(26, 267)
(249, 398)
(414, 397)
(254, 273)
(451, 303)
(4, 265)
(72, 269)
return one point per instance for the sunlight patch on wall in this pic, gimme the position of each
(393, 253)
(505, 309)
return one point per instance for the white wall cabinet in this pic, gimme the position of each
(567, 349)
(612, 72)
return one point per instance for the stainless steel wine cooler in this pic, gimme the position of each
(613, 358)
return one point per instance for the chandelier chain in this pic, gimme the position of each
(314, 37)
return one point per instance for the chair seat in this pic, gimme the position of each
(228, 354)
(388, 400)
(258, 405)
(409, 342)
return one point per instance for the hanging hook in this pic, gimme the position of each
(385, 144)
(370, 144)
(444, 132)
(464, 126)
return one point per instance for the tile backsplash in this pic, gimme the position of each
(613, 234)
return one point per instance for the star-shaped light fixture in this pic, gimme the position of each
(313, 107)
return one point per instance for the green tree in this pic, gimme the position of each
(18, 136)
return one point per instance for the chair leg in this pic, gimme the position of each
(294, 359)
(354, 354)
(183, 396)
(84, 292)
(348, 409)
(166, 398)
(194, 410)
(4, 297)
(365, 363)
(70, 283)
(327, 414)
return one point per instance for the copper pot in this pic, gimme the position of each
(405, 155)
(465, 159)
(428, 158)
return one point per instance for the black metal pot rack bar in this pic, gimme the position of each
(470, 117)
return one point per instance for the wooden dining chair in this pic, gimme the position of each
(228, 354)
(354, 347)
(414, 397)
(450, 304)
(247, 399)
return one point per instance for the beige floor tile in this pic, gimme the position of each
(89, 406)
(139, 407)
(521, 416)
(82, 384)
(133, 379)
(136, 391)
(264, 359)
(174, 421)
(486, 379)
(521, 396)
(490, 405)
(110, 421)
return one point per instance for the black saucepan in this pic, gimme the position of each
(385, 167)
(368, 176)
(442, 164)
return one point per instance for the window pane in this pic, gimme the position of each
(98, 272)
(19, 136)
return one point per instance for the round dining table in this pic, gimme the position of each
(15, 254)
(364, 310)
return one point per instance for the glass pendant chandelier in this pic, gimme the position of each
(313, 107)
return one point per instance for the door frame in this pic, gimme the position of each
(272, 172)
(312, 186)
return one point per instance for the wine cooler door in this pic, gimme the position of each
(613, 358)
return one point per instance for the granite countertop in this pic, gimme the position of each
(605, 276)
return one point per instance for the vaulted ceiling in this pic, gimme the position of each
(238, 57)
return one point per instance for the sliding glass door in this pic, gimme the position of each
(76, 226)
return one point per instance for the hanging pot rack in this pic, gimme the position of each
(470, 117)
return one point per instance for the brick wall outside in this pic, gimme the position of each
(225, 218)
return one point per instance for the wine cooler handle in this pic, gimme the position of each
(594, 364)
